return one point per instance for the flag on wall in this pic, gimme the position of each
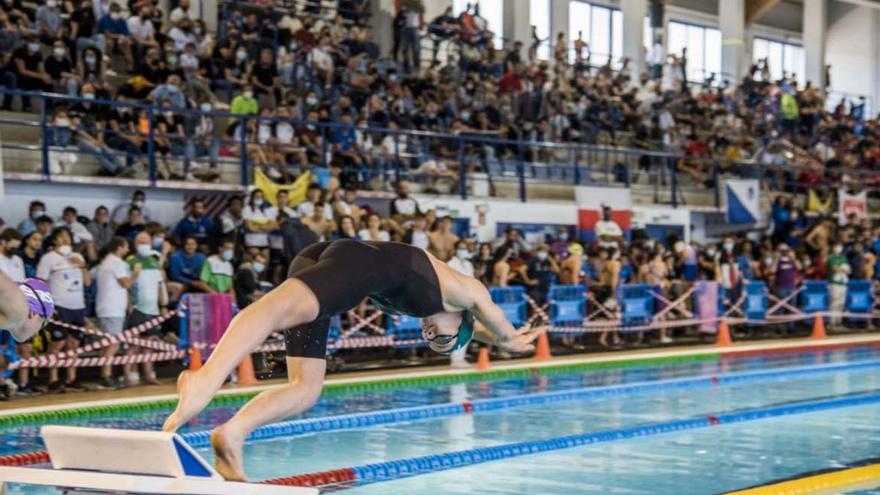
(743, 198)
(590, 201)
(851, 204)
(270, 189)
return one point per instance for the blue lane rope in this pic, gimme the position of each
(404, 468)
(201, 439)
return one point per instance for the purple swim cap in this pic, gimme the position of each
(39, 297)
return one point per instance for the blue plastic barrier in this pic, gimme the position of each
(859, 298)
(814, 297)
(636, 303)
(755, 303)
(511, 300)
(403, 327)
(568, 304)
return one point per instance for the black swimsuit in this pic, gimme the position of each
(398, 278)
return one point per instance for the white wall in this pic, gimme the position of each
(851, 49)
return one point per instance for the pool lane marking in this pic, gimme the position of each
(404, 468)
(284, 429)
(655, 357)
(853, 478)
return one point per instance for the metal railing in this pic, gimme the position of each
(478, 163)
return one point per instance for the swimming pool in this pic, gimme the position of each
(691, 457)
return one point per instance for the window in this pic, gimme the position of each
(490, 10)
(601, 27)
(783, 59)
(703, 49)
(539, 16)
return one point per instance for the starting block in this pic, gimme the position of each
(103, 461)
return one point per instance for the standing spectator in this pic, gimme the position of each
(82, 30)
(244, 103)
(196, 223)
(217, 270)
(118, 38)
(138, 199)
(838, 276)
(31, 75)
(182, 11)
(314, 195)
(323, 228)
(11, 264)
(559, 246)
(461, 262)
(132, 226)
(67, 275)
(83, 241)
(417, 235)
(786, 272)
(442, 242)
(608, 231)
(260, 218)
(232, 219)
(373, 230)
(246, 285)
(403, 207)
(686, 260)
(143, 33)
(114, 280)
(36, 210)
(60, 68)
(8, 40)
(100, 227)
(31, 252)
(728, 271)
(149, 298)
(606, 288)
(413, 20)
(49, 22)
(185, 267)
(543, 270)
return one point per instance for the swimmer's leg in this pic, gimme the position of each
(289, 305)
(305, 380)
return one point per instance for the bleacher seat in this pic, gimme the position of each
(568, 304)
(859, 298)
(511, 300)
(755, 303)
(636, 304)
(814, 297)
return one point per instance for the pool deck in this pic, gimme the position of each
(21, 405)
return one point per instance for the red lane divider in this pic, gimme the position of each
(468, 406)
(26, 459)
(323, 478)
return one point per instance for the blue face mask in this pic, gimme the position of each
(227, 255)
(259, 267)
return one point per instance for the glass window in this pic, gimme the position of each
(616, 35)
(783, 59)
(703, 49)
(539, 16)
(490, 10)
(648, 35)
(601, 27)
(600, 35)
(578, 22)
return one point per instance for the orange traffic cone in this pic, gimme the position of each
(542, 348)
(819, 328)
(483, 359)
(723, 338)
(195, 358)
(246, 372)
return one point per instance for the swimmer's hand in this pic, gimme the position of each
(522, 340)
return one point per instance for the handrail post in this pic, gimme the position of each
(462, 170)
(577, 168)
(396, 157)
(151, 148)
(522, 174)
(243, 156)
(44, 149)
(716, 172)
(324, 146)
(673, 183)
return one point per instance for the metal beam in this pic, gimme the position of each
(755, 9)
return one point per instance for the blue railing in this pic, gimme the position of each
(459, 159)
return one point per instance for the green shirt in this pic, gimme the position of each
(789, 107)
(217, 273)
(244, 106)
(149, 284)
(834, 261)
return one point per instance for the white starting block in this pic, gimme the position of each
(99, 460)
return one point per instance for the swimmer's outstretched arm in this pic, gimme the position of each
(492, 326)
(288, 305)
(13, 305)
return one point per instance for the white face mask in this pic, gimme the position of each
(248, 94)
(541, 255)
(143, 250)
(463, 254)
(838, 249)
(65, 250)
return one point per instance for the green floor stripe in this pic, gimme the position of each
(337, 389)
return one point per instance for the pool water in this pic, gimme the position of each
(702, 461)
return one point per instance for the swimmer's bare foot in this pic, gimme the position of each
(228, 447)
(192, 398)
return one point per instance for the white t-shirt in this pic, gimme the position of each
(80, 233)
(609, 228)
(307, 209)
(276, 240)
(421, 240)
(461, 266)
(258, 239)
(142, 28)
(12, 267)
(112, 300)
(364, 234)
(65, 280)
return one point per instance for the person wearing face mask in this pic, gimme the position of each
(36, 210)
(461, 262)
(60, 68)
(115, 30)
(839, 271)
(114, 279)
(169, 139)
(11, 264)
(196, 223)
(82, 29)
(245, 103)
(559, 246)
(260, 218)
(264, 75)
(149, 299)
(143, 33)
(217, 271)
(544, 271)
(100, 227)
(138, 199)
(49, 21)
(27, 63)
(66, 274)
(246, 283)
(786, 272)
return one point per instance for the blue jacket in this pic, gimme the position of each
(185, 269)
(201, 228)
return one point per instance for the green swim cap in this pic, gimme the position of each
(465, 332)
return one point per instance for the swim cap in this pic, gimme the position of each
(465, 332)
(575, 248)
(38, 296)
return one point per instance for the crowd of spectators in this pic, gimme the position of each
(121, 268)
(324, 66)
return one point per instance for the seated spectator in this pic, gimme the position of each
(169, 139)
(143, 33)
(90, 122)
(118, 38)
(245, 103)
(91, 71)
(100, 227)
(372, 232)
(114, 279)
(318, 223)
(83, 241)
(60, 69)
(260, 218)
(417, 235)
(182, 11)
(31, 251)
(133, 225)
(185, 267)
(195, 223)
(347, 229)
(543, 270)
(246, 283)
(314, 195)
(443, 241)
(30, 72)
(462, 259)
(36, 210)
(265, 78)
(11, 263)
(138, 199)
(231, 221)
(82, 33)
(217, 270)
(49, 22)
(9, 37)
